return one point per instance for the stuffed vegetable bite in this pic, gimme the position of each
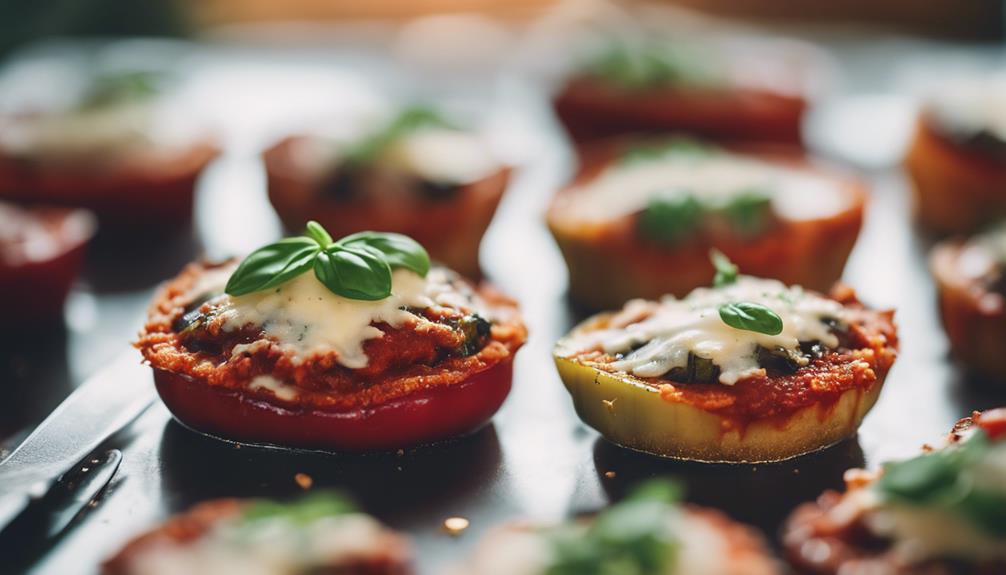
(971, 283)
(418, 173)
(750, 91)
(640, 217)
(320, 533)
(957, 158)
(941, 512)
(749, 370)
(650, 533)
(352, 344)
(112, 145)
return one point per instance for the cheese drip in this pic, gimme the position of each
(715, 178)
(268, 547)
(306, 318)
(663, 341)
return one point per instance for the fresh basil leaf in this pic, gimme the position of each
(647, 64)
(750, 316)
(399, 250)
(318, 233)
(354, 272)
(120, 88)
(670, 218)
(272, 265)
(748, 212)
(726, 270)
(304, 511)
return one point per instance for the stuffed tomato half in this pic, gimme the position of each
(416, 162)
(749, 371)
(641, 216)
(353, 344)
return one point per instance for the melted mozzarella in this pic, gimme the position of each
(677, 328)
(972, 107)
(266, 547)
(305, 318)
(442, 155)
(717, 178)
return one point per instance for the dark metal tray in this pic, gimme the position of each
(536, 460)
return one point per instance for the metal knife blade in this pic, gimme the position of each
(45, 519)
(102, 405)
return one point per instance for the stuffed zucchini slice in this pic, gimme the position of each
(320, 533)
(650, 533)
(749, 371)
(418, 174)
(971, 283)
(957, 159)
(641, 216)
(940, 513)
(349, 344)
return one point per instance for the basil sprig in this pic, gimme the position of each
(631, 537)
(355, 267)
(946, 479)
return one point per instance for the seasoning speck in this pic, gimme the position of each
(609, 474)
(304, 480)
(455, 525)
(609, 404)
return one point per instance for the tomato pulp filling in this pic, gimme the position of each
(436, 347)
(867, 349)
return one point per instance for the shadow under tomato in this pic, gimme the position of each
(399, 488)
(761, 495)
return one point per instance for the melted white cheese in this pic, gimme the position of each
(266, 547)
(972, 107)
(278, 388)
(442, 155)
(716, 179)
(305, 317)
(693, 325)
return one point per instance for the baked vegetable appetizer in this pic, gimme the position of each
(114, 149)
(750, 370)
(418, 175)
(737, 93)
(971, 282)
(640, 217)
(351, 344)
(41, 253)
(321, 533)
(940, 513)
(649, 533)
(957, 159)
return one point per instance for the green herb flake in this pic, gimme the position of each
(726, 271)
(630, 538)
(749, 316)
(110, 90)
(646, 64)
(748, 212)
(357, 267)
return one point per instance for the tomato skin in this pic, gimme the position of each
(993, 422)
(36, 289)
(423, 417)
